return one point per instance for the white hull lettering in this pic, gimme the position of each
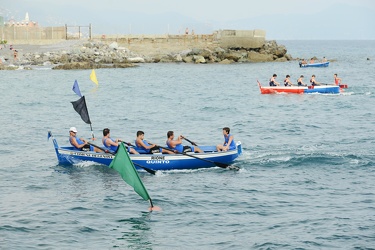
(157, 162)
(157, 157)
(92, 155)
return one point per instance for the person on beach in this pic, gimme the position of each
(273, 81)
(186, 31)
(337, 80)
(300, 81)
(177, 144)
(148, 147)
(80, 143)
(229, 143)
(15, 55)
(112, 144)
(313, 81)
(287, 81)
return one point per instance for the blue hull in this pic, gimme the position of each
(69, 156)
(324, 89)
(318, 65)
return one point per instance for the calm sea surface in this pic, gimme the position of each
(307, 178)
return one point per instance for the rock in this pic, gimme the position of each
(113, 46)
(280, 51)
(258, 57)
(178, 58)
(232, 55)
(156, 60)
(219, 50)
(167, 59)
(226, 61)
(185, 52)
(281, 59)
(199, 59)
(288, 57)
(75, 65)
(195, 52)
(188, 59)
(136, 60)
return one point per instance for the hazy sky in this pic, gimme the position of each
(277, 17)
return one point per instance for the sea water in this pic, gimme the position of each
(307, 170)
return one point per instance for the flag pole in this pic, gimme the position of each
(81, 107)
(92, 132)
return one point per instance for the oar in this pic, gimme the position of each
(219, 164)
(192, 143)
(106, 150)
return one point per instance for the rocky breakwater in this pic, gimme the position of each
(269, 52)
(98, 54)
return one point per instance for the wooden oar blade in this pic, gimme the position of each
(227, 166)
(232, 167)
(146, 169)
(219, 164)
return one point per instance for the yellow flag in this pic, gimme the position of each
(93, 77)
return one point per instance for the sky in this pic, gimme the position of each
(281, 19)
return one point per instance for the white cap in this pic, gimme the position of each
(73, 129)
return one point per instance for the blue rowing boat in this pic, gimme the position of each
(68, 155)
(318, 65)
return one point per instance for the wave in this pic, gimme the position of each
(314, 159)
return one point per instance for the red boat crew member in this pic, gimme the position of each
(273, 81)
(287, 82)
(313, 81)
(337, 80)
(300, 81)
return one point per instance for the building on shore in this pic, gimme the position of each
(23, 23)
(27, 31)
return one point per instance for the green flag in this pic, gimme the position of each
(122, 164)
